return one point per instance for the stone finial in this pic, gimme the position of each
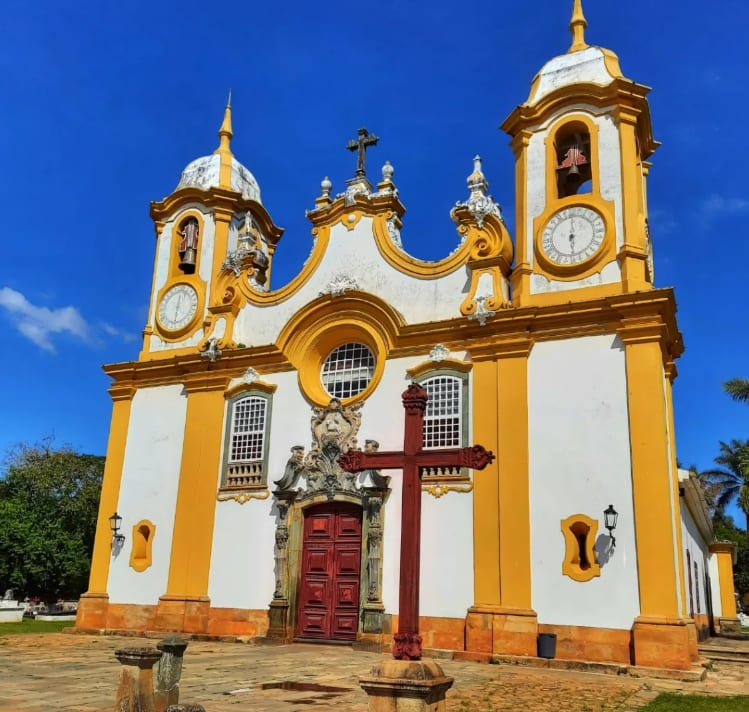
(479, 204)
(325, 187)
(387, 172)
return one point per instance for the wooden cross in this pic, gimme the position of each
(360, 144)
(407, 641)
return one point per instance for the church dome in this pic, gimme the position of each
(581, 64)
(221, 169)
(205, 172)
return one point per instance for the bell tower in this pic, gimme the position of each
(581, 141)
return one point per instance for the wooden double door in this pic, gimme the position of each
(331, 559)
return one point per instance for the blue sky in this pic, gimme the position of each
(105, 103)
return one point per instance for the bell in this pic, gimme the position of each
(573, 170)
(187, 262)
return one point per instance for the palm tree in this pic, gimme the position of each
(731, 479)
(738, 389)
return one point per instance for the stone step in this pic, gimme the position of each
(723, 652)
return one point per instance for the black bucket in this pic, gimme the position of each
(547, 645)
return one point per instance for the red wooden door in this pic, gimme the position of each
(329, 591)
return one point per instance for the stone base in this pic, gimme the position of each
(406, 686)
(92, 611)
(662, 643)
(278, 619)
(372, 619)
(729, 625)
(501, 631)
(182, 613)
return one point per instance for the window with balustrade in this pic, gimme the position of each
(246, 445)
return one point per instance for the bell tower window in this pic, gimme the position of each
(573, 160)
(188, 245)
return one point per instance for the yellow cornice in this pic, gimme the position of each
(205, 381)
(510, 333)
(451, 364)
(261, 386)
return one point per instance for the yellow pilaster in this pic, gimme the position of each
(93, 605)
(185, 604)
(501, 620)
(661, 635)
(633, 253)
(725, 551)
(521, 274)
(222, 217)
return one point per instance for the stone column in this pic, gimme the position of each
(279, 606)
(135, 689)
(169, 671)
(373, 608)
(406, 686)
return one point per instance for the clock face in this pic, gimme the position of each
(572, 235)
(178, 307)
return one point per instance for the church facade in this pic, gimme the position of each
(552, 348)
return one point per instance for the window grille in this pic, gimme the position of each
(443, 424)
(348, 370)
(246, 447)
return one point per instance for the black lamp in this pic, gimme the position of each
(114, 525)
(610, 517)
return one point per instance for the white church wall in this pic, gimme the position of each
(242, 565)
(355, 255)
(148, 490)
(579, 464)
(698, 554)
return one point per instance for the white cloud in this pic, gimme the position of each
(716, 205)
(38, 324)
(119, 333)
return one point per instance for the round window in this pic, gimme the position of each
(347, 371)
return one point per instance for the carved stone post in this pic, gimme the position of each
(169, 671)
(373, 608)
(135, 689)
(279, 606)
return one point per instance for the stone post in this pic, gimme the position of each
(135, 690)
(406, 686)
(169, 671)
(279, 606)
(185, 708)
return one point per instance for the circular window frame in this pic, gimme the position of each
(369, 354)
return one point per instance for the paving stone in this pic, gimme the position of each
(79, 673)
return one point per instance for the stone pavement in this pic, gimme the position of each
(78, 673)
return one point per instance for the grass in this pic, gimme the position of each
(28, 625)
(669, 702)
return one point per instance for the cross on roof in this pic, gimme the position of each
(360, 144)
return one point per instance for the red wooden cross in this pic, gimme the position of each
(407, 641)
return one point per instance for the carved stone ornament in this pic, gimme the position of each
(211, 351)
(250, 376)
(394, 232)
(249, 255)
(479, 203)
(340, 284)
(439, 353)
(482, 313)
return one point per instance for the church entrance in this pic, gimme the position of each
(331, 558)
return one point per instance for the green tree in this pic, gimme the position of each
(738, 389)
(731, 480)
(48, 506)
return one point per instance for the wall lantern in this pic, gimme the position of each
(610, 517)
(114, 525)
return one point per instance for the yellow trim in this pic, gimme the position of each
(725, 552)
(486, 520)
(514, 478)
(224, 149)
(122, 397)
(521, 275)
(242, 497)
(196, 497)
(329, 322)
(572, 566)
(142, 545)
(651, 477)
(261, 386)
(438, 491)
(452, 364)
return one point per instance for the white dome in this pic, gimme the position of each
(204, 173)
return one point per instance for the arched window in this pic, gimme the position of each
(573, 160)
